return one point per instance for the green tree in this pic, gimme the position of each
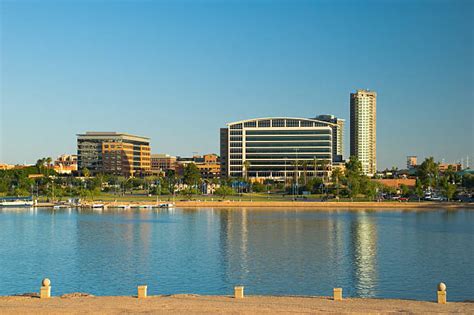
(224, 191)
(450, 190)
(337, 178)
(405, 190)
(246, 169)
(450, 174)
(189, 192)
(258, 187)
(85, 172)
(467, 181)
(371, 189)
(314, 185)
(355, 179)
(419, 189)
(428, 172)
(353, 167)
(353, 184)
(191, 175)
(48, 161)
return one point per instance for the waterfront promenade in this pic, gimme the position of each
(196, 304)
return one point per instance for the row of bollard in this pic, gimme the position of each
(45, 292)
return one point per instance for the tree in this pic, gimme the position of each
(428, 172)
(354, 176)
(419, 189)
(48, 164)
(336, 178)
(189, 192)
(191, 175)
(405, 190)
(85, 172)
(314, 185)
(467, 181)
(353, 167)
(258, 187)
(305, 172)
(448, 189)
(353, 184)
(224, 191)
(450, 174)
(371, 189)
(246, 169)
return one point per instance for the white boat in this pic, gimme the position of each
(16, 202)
(98, 206)
(145, 206)
(123, 206)
(166, 205)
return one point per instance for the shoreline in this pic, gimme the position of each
(293, 205)
(199, 304)
(323, 205)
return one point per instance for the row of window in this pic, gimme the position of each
(286, 138)
(288, 144)
(284, 150)
(288, 156)
(287, 132)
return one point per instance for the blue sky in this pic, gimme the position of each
(177, 71)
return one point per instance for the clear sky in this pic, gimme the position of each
(177, 71)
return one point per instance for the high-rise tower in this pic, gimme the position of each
(363, 105)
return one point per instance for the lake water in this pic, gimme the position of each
(389, 254)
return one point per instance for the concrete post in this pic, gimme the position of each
(45, 290)
(239, 292)
(441, 297)
(337, 294)
(441, 293)
(142, 291)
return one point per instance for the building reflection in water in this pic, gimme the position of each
(282, 252)
(363, 232)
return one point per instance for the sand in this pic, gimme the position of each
(325, 205)
(195, 304)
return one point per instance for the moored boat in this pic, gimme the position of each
(16, 202)
(166, 205)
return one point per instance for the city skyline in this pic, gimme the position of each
(178, 72)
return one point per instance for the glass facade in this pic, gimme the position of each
(277, 148)
(114, 153)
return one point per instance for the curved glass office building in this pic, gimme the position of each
(277, 148)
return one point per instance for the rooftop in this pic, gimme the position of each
(110, 134)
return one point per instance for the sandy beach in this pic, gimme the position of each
(313, 205)
(323, 205)
(195, 304)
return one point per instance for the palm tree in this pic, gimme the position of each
(40, 165)
(48, 161)
(325, 167)
(305, 171)
(315, 166)
(336, 178)
(246, 169)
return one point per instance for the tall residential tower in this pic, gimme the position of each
(363, 105)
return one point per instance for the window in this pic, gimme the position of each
(292, 123)
(250, 124)
(264, 123)
(278, 123)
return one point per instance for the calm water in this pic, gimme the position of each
(369, 254)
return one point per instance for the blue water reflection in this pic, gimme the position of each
(396, 254)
